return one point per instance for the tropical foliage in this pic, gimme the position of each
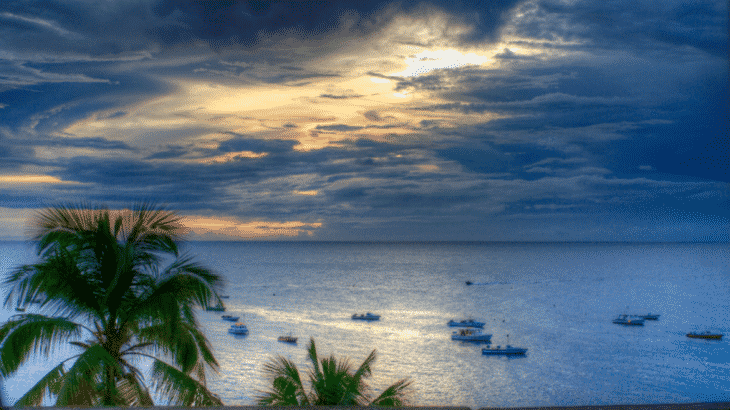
(332, 382)
(101, 286)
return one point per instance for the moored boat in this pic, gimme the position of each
(238, 329)
(705, 335)
(471, 335)
(507, 350)
(628, 320)
(465, 323)
(287, 339)
(647, 317)
(216, 308)
(366, 316)
(230, 318)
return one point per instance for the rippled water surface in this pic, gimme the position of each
(557, 300)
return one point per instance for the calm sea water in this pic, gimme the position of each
(557, 300)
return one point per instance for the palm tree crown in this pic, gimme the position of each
(332, 382)
(101, 288)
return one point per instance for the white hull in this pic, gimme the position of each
(465, 323)
(238, 329)
(471, 336)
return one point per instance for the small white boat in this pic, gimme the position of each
(507, 350)
(628, 320)
(230, 318)
(471, 335)
(238, 329)
(465, 323)
(366, 316)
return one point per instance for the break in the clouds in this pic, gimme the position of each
(538, 120)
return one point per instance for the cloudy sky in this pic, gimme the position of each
(534, 120)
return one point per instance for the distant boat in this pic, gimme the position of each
(647, 317)
(704, 335)
(471, 335)
(507, 350)
(367, 316)
(224, 296)
(230, 318)
(468, 282)
(20, 309)
(465, 323)
(216, 308)
(238, 329)
(287, 339)
(628, 320)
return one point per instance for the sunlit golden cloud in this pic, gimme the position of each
(307, 193)
(31, 179)
(232, 228)
(232, 156)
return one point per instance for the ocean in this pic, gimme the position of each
(555, 299)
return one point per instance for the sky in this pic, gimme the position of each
(505, 120)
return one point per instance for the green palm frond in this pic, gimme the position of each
(394, 396)
(156, 229)
(32, 333)
(188, 347)
(205, 352)
(180, 388)
(358, 390)
(182, 285)
(60, 282)
(133, 392)
(194, 282)
(332, 382)
(312, 353)
(287, 387)
(332, 386)
(46, 386)
(83, 383)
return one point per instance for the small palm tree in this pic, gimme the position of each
(101, 288)
(332, 383)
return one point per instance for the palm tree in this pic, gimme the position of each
(100, 284)
(332, 383)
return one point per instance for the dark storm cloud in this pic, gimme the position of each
(247, 143)
(14, 155)
(699, 24)
(220, 23)
(51, 106)
(189, 185)
(96, 143)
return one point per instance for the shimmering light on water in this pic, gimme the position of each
(555, 299)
